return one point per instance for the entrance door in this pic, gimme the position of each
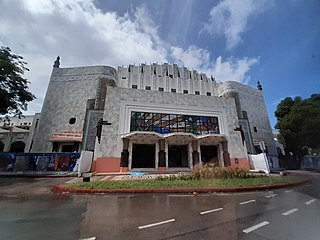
(209, 154)
(143, 155)
(178, 156)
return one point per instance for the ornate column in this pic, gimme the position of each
(162, 156)
(195, 153)
(226, 155)
(124, 163)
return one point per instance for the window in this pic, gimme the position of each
(208, 93)
(245, 114)
(255, 129)
(123, 77)
(173, 90)
(185, 91)
(148, 88)
(161, 89)
(72, 120)
(168, 123)
(134, 86)
(197, 92)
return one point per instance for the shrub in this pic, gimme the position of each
(209, 171)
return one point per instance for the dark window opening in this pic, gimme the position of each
(123, 77)
(134, 86)
(161, 89)
(208, 93)
(245, 114)
(209, 154)
(72, 120)
(148, 88)
(197, 92)
(173, 90)
(17, 146)
(185, 91)
(67, 148)
(178, 156)
(255, 129)
(143, 155)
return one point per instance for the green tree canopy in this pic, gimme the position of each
(14, 90)
(299, 122)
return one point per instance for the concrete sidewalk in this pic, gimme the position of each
(38, 174)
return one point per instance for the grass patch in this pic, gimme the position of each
(188, 183)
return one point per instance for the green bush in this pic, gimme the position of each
(209, 171)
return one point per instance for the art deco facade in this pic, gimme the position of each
(162, 117)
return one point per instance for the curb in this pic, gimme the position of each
(61, 189)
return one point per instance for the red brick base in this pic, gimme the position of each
(162, 169)
(105, 164)
(124, 169)
(240, 162)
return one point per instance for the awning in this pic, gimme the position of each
(67, 136)
(178, 135)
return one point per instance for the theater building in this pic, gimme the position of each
(157, 117)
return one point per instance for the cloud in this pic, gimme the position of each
(83, 34)
(230, 19)
(77, 31)
(232, 69)
(193, 57)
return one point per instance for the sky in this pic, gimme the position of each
(274, 42)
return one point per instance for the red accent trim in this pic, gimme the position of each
(240, 162)
(105, 164)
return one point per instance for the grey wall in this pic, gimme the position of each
(67, 95)
(119, 100)
(252, 101)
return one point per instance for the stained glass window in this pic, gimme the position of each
(168, 123)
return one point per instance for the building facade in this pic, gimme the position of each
(16, 133)
(157, 117)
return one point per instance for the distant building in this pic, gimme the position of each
(163, 117)
(16, 133)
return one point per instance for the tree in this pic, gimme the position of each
(14, 90)
(299, 124)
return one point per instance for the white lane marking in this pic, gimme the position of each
(311, 201)
(156, 224)
(290, 211)
(250, 201)
(210, 211)
(259, 225)
(271, 196)
(288, 191)
(91, 238)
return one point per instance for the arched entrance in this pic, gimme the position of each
(1, 146)
(17, 146)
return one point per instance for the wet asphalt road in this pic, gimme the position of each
(29, 210)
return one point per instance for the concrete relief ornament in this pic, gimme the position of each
(20, 136)
(1, 136)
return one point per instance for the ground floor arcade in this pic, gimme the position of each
(143, 151)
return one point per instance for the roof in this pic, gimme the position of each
(67, 136)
